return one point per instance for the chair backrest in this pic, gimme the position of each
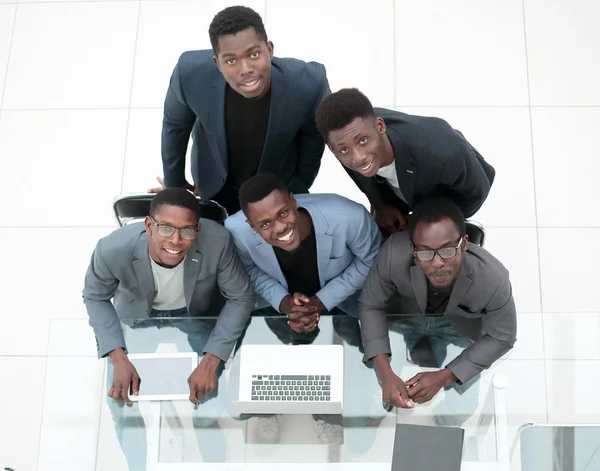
(133, 208)
(476, 233)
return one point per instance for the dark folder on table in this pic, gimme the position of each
(425, 448)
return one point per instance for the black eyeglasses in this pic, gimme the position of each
(444, 252)
(167, 231)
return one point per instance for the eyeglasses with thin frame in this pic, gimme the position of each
(444, 252)
(167, 231)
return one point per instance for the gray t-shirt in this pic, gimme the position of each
(169, 287)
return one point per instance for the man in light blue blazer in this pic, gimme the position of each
(306, 255)
(317, 246)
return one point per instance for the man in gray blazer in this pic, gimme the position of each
(172, 265)
(246, 110)
(453, 292)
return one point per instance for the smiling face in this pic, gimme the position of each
(440, 272)
(169, 251)
(277, 220)
(362, 146)
(245, 62)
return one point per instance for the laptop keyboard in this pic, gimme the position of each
(291, 388)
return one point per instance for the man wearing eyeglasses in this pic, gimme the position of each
(174, 265)
(452, 292)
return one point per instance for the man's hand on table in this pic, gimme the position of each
(393, 389)
(204, 378)
(424, 386)
(302, 311)
(125, 377)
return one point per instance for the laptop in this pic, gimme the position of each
(284, 379)
(427, 448)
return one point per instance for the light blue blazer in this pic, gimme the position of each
(347, 243)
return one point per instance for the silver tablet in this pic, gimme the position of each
(163, 375)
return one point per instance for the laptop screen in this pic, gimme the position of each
(425, 448)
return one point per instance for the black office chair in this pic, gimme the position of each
(476, 233)
(135, 207)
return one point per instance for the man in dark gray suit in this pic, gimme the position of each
(174, 265)
(453, 292)
(247, 111)
(397, 159)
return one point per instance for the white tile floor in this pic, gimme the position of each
(81, 87)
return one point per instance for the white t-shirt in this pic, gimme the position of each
(169, 287)
(391, 177)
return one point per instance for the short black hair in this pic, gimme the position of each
(174, 197)
(341, 108)
(232, 20)
(258, 188)
(434, 209)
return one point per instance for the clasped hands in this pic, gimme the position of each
(419, 389)
(302, 311)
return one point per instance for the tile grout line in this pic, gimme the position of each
(116, 108)
(10, 44)
(265, 18)
(135, 45)
(58, 227)
(43, 394)
(535, 202)
(58, 2)
(102, 388)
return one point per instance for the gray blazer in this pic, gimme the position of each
(216, 283)
(481, 304)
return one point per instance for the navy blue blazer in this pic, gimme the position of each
(195, 104)
(431, 159)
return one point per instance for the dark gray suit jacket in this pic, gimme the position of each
(431, 159)
(195, 104)
(481, 305)
(120, 271)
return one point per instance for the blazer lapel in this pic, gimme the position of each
(276, 118)
(191, 268)
(462, 285)
(324, 241)
(215, 103)
(143, 270)
(406, 171)
(268, 255)
(419, 286)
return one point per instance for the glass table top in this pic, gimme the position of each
(178, 435)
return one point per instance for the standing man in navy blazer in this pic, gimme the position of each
(246, 110)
